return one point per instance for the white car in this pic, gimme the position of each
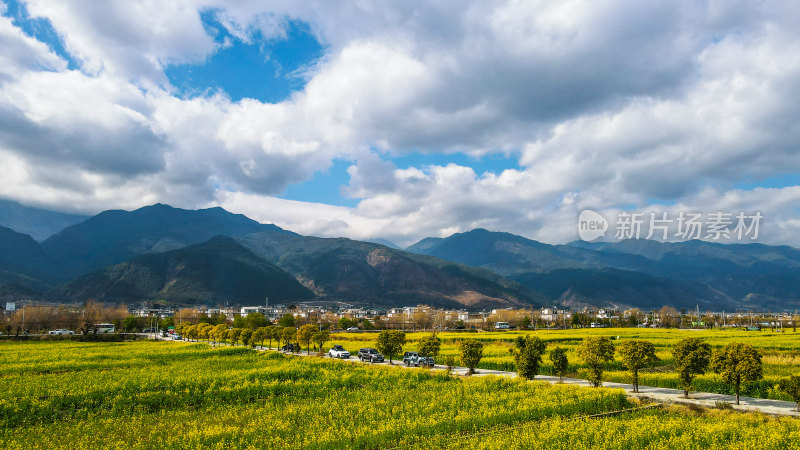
(352, 329)
(338, 352)
(60, 331)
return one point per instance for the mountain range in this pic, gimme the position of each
(211, 256)
(640, 273)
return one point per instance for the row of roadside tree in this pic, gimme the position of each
(736, 363)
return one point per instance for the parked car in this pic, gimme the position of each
(414, 359)
(105, 328)
(60, 332)
(352, 329)
(370, 354)
(149, 330)
(291, 348)
(177, 337)
(338, 352)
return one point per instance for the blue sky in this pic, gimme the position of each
(403, 121)
(39, 28)
(267, 69)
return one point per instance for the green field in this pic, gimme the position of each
(781, 353)
(180, 395)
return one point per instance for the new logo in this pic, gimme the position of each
(591, 225)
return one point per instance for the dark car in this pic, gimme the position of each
(370, 354)
(291, 348)
(414, 359)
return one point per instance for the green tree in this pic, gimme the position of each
(692, 356)
(737, 363)
(525, 323)
(255, 320)
(131, 324)
(260, 335)
(288, 334)
(528, 356)
(217, 319)
(287, 320)
(791, 386)
(191, 332)
(305, 334)
(245, 337)
(234, 334)
(596, 351)
(390, 343)
(346, 322)
(429, 346)
(579, 319)
(560, 362)
(637, 355)
(167, 322)
(471, 354)
(320, 338)
(219, 333)
(450, 362)
(274, 334)
(204, 331)
(179, 328)
(239, 321)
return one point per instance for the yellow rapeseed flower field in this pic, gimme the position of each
(181, 395)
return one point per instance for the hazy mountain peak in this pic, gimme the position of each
(38, 223)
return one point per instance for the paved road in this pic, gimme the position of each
(664, 395)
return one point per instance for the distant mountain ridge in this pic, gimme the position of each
(40, 224)
(634, 272)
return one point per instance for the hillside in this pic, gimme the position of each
(217, 271)
(361, 272)
(623, 287)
